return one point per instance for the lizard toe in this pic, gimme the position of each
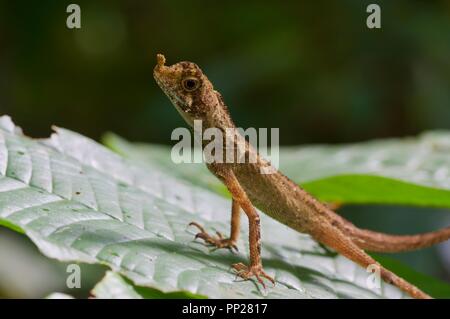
(247, 272)
(217, 241)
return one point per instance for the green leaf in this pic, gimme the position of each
(79, 202)
(6, 223)
(158, 157)
(407, 171)
(114, 286)
(364, 189)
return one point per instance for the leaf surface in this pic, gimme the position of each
(80, 202)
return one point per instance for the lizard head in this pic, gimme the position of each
(187, 87)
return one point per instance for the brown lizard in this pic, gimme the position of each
(194, 97)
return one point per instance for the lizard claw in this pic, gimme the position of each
(217, 241)
(198, 226)
(246, 272)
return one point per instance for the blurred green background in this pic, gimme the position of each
(311, 68)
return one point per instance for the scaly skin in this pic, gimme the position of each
(274, 194)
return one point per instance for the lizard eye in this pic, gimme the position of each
(190, 84)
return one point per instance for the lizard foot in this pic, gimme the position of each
(217, 241)
(246, 272)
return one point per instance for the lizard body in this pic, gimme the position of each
(194, 97)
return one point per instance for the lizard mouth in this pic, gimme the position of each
(165, 79)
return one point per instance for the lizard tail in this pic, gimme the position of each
(334, 238)
(387, 243)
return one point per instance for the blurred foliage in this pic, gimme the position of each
(26, 273)
(311, 68)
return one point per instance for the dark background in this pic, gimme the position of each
(311, 68)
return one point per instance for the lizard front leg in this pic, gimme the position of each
(219, 241)
(255, 268)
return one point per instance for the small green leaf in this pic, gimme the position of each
(364, 189)
(6, 223)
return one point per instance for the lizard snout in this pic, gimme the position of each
(160, 59)
(160, 67)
